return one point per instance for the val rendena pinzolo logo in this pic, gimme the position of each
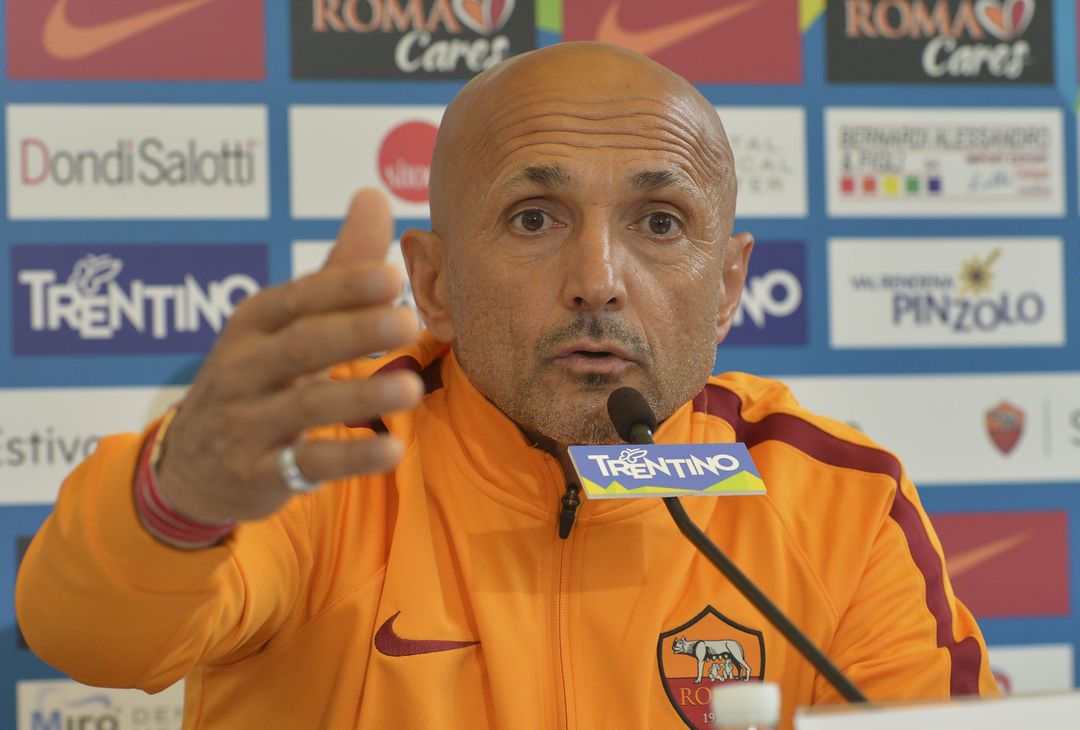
(665, 470)
(961, 304)
(964, 39)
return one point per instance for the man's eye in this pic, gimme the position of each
(661, 224)
(532, 220)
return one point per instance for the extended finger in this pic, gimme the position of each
(288, 413)
(319, 341)
(343, 287)
(366, 232)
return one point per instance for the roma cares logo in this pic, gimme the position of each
(707, 651)
(135, 39)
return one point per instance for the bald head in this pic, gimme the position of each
(579, 82)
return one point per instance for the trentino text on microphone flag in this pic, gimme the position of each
(665, 470)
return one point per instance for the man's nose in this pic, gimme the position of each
(593, 267)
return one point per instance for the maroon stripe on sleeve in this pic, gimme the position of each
(813, 441)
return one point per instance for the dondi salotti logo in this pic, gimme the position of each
(665, 470)
(149, 161)
(129, 298)
(941, 41)
(404, 39)
(93, 161)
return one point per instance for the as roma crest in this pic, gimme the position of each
(1005, 424)
(705, 652)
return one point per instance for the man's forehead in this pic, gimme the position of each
(555, 176)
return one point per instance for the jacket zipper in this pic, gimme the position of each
(562, 610)
(570, 501)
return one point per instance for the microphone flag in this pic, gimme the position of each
(665, 470)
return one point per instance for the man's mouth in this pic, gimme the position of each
(587, 358)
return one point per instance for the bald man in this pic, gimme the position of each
(401, 543)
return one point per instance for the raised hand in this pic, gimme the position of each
(263, 383)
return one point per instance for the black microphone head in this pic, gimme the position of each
(626, 408)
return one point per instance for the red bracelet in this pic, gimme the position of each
(155, 513)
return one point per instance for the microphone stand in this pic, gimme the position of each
(641, 434)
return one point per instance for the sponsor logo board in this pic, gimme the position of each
(145, 39)
(47, 432)
(336, 149)
(309, 256)
(1032, 668)
(950, 443)
(1026, 551)
(946, 292)
(70, 161)
(941, 41)
(128, 298)
(984, 162)
(45, 704)
(769, 144)
(703, 42)
(407, 39)
(773, 309)
(665, 470)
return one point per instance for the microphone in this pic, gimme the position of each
(635, 422)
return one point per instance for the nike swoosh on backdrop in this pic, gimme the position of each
(973, 558)
(389, 643)
(656, 39)
(70, 42)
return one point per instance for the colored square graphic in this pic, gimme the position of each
(725, 41)
(153, 40)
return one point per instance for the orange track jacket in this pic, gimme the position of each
(440, 595)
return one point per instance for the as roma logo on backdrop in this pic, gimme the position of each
(705, 652)
(1005, 425)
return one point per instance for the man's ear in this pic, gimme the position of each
(423, 254)
(736, 259)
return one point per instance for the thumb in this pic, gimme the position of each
(366, 232)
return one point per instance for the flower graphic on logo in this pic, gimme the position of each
(975, 274)
(91, 272)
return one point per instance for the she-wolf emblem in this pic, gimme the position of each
(721, 650)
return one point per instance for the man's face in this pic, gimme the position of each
(587, 253)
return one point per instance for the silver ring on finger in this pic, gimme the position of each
(290, 472)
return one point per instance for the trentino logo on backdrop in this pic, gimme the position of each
(941, 41)
(407, 39)
(126, 299)
(136, 161)
(772, 310)
(212, 40)
(700, 41)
